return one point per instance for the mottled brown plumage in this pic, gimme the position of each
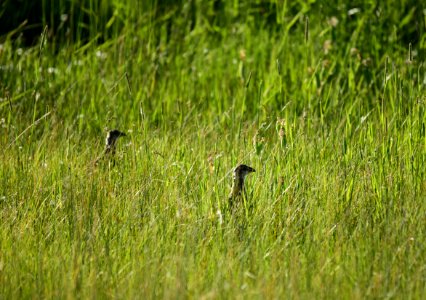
(111, 139)
(110, 144)
(238, 188)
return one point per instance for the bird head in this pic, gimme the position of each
(242, 171)
(112, 136)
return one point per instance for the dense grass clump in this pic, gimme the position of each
(328, 104)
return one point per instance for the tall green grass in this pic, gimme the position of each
(333, 121)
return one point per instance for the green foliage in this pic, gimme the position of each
(329, 110)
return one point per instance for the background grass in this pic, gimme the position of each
(332, 118)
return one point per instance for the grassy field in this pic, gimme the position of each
(330, 111)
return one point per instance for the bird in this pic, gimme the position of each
(110, 144)
(238, 189)
(111, 139)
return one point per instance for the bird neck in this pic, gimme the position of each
(110, 147)
(238, 185)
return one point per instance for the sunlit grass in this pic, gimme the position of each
(337, 140)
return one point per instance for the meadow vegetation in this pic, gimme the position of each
(326, 103)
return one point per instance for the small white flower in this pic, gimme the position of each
(353, 11)
(219, 216)
(100, 54)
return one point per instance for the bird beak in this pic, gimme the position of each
(253, 170)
